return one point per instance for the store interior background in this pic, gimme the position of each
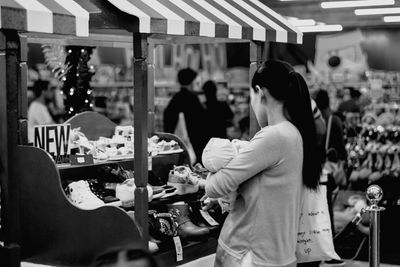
(374, 50)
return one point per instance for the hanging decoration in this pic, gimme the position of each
(76, 83)
(54, 56)
(70, 66)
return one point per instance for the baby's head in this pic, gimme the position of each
(218, 153)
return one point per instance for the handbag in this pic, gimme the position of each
(314, 237)
(335, 168)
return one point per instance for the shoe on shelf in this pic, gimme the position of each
(184, 180)
(200, 170)
(169, 191)
(334, 263)
(186, 229)
(126, 192)
(153, 247)
(80, 195)
(104, 194)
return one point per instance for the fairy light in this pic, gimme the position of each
(61, 92)
(70, 51)
(89, 92)
(71, 109)
(91, 105)
(82, 50)
(86, 101)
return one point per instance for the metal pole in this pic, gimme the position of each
(374, 195)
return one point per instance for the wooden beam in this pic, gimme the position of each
(104, 40)
(177, 39)
(9, 107)
(151, 89)
(141, 105)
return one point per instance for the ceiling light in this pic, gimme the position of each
(322, 28)
(391, 19)
(377, 11)
(302, 22)
(356, 3)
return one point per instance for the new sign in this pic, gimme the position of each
(55, 140)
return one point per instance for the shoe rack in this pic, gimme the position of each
(55, 232)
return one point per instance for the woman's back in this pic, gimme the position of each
(265, 217)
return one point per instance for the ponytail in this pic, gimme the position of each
(289, 87)
(298, 107)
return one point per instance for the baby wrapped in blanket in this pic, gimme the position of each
(216, 155)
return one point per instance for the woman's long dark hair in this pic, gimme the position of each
(286, 85)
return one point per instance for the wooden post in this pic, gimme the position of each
(140, 107)
(255, 60)
(150, 87)
(11, 112)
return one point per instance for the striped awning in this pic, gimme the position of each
(235, 19)
(44, 16)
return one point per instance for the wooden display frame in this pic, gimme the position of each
(109, 30)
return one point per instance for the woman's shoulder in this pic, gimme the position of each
(282, 132)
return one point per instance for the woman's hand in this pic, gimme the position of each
(208, 203)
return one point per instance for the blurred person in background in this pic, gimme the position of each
(219, 114)
(336, 140)
(350, 101)
(38, 112)
(187, 102)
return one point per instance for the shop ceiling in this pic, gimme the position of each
(311, 9)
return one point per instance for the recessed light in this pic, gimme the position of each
(356, 3)
(322, 28)
(377, 11)
(391, 19)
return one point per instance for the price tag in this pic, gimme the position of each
(208, 218)
(81, 159)
(178, 248)
(150, 163)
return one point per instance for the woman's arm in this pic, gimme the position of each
(262, 152)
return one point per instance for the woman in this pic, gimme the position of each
(270, 173)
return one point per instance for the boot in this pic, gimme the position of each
(186, 229)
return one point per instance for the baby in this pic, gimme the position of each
(216, 155)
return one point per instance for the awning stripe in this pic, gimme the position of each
(127, 7)
(46, 16)
(235, 29)
(175, 24)
(39, 17)
(191, 25)
(207, 26)
(157, 21)
(221, 28)
(247, 30)
(81, 16)
(258, 30)
(62, 19)
(280, 33)
(235, 19)
(280, 19)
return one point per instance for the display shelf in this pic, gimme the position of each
(56, 232)
(191, 251)
(67, 166)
